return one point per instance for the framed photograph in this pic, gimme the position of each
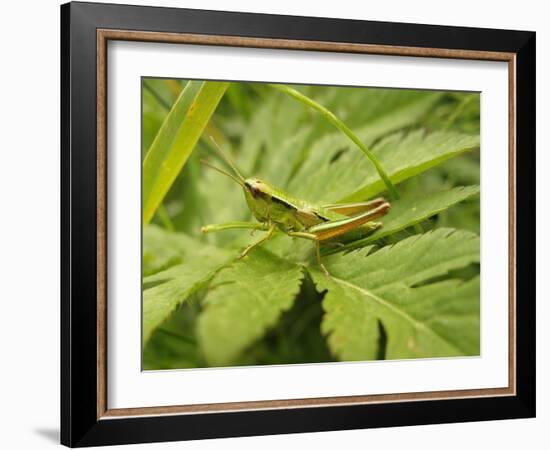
(276, 224)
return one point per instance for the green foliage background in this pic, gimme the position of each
(409, 290)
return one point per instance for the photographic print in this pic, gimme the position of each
(272, 224)
(292, 224)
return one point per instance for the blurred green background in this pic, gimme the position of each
(273, 136)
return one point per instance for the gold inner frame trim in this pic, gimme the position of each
(103, 36)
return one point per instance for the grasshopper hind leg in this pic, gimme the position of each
(319, 261)
(318, 242)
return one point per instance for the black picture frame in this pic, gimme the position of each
(80, 424)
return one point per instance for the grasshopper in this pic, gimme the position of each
(275, 209)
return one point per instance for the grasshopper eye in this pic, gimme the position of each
(253, 189)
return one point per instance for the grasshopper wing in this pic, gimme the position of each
(352, 209)
(329, 230)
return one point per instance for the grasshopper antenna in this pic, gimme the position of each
(228, 161)
(235, 179)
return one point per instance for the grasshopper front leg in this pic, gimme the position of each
(264, 238)
(270, 228)
(234, 226)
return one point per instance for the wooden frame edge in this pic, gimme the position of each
(103, 35)
(303, 403)
(289, 44)
(101, 190)
(512, 199)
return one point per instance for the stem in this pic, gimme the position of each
(344, 128)
(165, 217)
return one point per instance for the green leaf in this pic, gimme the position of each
(396, 107)
(333, 173)
(390, 289)
(451, 309)
(407, 212)
(173, 286)
(281, 133)
(407, 156)
(277, 128)
(373, 113)
(173, 344)
(394, 110)
(162, 249)
(176, 139)
(246, 299)
(343, 128)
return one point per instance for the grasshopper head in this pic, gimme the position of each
(256, 187)
(259, 197)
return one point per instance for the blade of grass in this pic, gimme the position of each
(176, 139)
(191, 196)
(331, 117)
